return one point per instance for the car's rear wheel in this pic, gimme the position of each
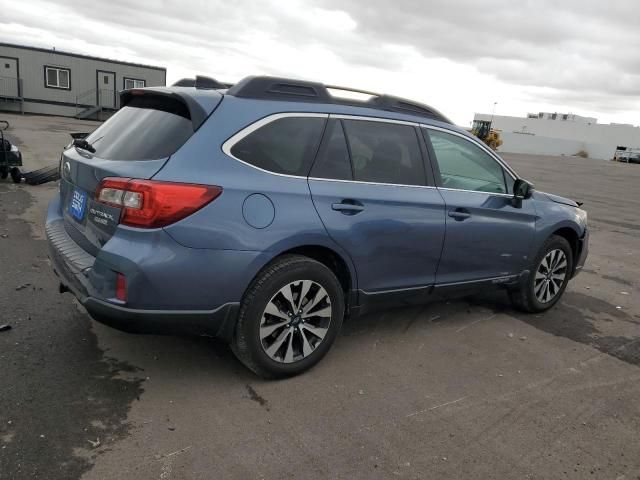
(548, 281)
(289, 317)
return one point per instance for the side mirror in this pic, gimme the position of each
(521, 191)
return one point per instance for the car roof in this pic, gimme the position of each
(306, 92)
(268, 107)
(302, 91)
(276, 95)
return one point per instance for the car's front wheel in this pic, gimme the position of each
(289, 317)
(548, 281)
(16, 176)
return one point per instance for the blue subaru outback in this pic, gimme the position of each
(265, 212)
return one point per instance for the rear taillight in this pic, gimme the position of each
(151, 204)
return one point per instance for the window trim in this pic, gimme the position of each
(53, 67)
(124, 82)
(243, 132)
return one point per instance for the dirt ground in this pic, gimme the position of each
(466, 389)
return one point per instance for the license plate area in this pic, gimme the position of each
(77, 204)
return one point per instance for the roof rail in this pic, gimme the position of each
(201, 82)
(286, 89)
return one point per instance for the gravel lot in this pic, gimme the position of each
(466, 389)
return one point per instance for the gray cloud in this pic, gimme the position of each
(574, 52)
(574, 44)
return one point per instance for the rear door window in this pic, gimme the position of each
(286, 145)
(333, 158)
(147, 128)
(385, 152)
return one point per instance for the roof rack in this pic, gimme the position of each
(274, 88)
(202, 82)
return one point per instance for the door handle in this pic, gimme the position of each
(459, 214)
(348, 207)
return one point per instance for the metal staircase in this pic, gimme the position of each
(86, 104)
(91, 103)
(88, 112)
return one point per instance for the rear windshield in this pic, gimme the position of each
(147, 128)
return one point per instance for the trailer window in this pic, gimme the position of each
(56, 77)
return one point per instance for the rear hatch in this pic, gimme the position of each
(134, 143)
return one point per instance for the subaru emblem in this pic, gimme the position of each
(66, 170)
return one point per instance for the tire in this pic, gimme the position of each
(16, 176)
(290, 275)
(527, 298)
(43, 175)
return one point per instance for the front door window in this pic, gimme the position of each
(465, 166)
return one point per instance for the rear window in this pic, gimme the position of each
(147, 128)
(287, 145)
(385, 152)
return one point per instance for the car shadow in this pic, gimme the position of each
(575, 317)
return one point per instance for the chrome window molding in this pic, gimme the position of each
(342, 116)
(493, 194)
(479, 144)
(231, 141)
(371, 183)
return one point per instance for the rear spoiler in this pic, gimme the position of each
(196, 112)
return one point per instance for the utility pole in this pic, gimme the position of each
(493, 111)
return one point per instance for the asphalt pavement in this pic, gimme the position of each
(465, 389)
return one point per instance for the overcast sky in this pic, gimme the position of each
(460, 56)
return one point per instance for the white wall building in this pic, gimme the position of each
(562, 134)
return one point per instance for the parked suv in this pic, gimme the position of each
(265, 213)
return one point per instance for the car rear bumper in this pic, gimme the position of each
(216, 323)
(74, 266)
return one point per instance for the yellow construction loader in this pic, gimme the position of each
(482, 129)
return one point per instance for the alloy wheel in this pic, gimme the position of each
(550, 276)
(295, 321)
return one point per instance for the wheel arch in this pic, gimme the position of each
(571, 236)
(338, 262)
(329, 258)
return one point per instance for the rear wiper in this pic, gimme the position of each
(83, 144)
